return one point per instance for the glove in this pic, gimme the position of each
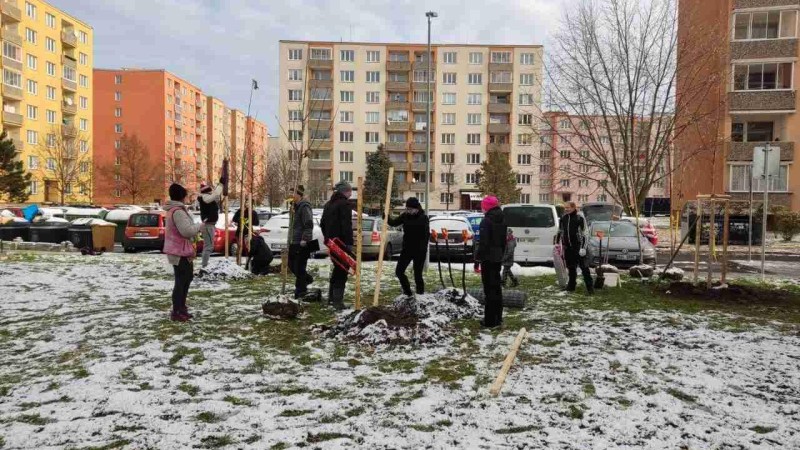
(582, 252)
(303, 243)
(477, 267)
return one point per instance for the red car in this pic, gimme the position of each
(219, 238)
(647, 229)
(144, 231)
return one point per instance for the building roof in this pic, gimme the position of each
(68, 15)
(412, 44)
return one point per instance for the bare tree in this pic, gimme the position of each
(280, 174)
(178, 168)
(135, 175)
(614, 68)
(68, 163)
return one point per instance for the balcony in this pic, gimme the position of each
(318, 64)
(12, 36)
(69, 131)
(772, 48)
(69, 85)
(319, 124)
(398, 86)
(775, 198)
(421, 166)
(501, 67)
(501, 87)
(11, 119)
(400, 166)
(11, 64)
(761, 101)
(324, 105)
(320, 84)
(743, 151)
(420, 106)
(398, 126)
(392, 105)
(178, 138)
(423, 65)
(69, 61)
(320, 144)
(422, 147)
(499, 148)
(178, 124)
(11, 12)
(499, 128)
(69, 108)
(500, 108)
(395, 147)
(420, 186)
(69, 38)
(398, 66)
(19, 145)
(317, 164)
(12, 92)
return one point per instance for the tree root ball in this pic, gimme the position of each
(641, 271)
(288, 310)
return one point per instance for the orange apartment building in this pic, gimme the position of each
(218, 126)
(258, 145)
(754, 101)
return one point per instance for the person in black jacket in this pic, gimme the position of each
(491, 250)
(302, 234)
(571, 233)
(242, 218)
(337, 222)
(415, 244)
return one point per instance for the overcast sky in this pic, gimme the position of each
(220, 45)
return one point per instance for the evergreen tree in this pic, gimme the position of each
(13, 179)
(495, 177)
(378, 164)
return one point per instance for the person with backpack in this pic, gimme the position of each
(299, 249)
(572, 234)
(180, 231)
(337, 222)
(416, 231)
(490, 254)
(508, 260)
(208, 201)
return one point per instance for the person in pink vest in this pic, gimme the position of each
(179, 247)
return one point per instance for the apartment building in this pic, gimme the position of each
(47, 95)
(218, 126)
(166, 113)
(258, 145)
(757, 97)
(340, 100)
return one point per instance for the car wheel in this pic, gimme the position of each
(129, 249)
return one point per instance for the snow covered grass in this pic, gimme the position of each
(89, 359)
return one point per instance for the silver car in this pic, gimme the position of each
(621, 244)
(371, 228)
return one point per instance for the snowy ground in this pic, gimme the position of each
(88, 359)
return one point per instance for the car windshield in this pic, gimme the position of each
(615, 229)
(600, 212)
(449, 224)
(144, 220)
(475, 221)
(529, 217)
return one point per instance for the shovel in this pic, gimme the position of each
(447, 247)
(600, 280)
(435, 238)
(464, 236)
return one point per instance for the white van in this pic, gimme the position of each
(535, 227)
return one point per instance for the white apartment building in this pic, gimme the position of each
(350, 97)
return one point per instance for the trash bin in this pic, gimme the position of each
(80, 233)
(120, 217)
(53, 230)
(103, 235)
(11, 229)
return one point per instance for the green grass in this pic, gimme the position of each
(189, 388)
(120, 443)
(33, 419)
(295, 412)
(182, 352)
(762, 429)
(216, 441)
(518, 429)
(680, 395)
(448, 370)
(315, 438)
(208, 417)
(237, 401)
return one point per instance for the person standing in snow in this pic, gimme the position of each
(415, 245)
(572, 234)
(180, 232)
(337, 222)
(508, 260)
(208, 201)
(491, 250)
(302, 235)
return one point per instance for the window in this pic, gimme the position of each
(373, 97)
(295, 115)
(523, 178)
(30, 10)
(564, 182)
(565, 154)
(346, 157)
(84, 167)
(11, 51)
(295, 95)
(373, 76)
(544, 168)
(474, 99)
(33, 87)
(420, 97)
(584, 154)
(448, 78)
(50, 93)
(448, 138)
(346, 96)
(84, 102)
(472, 178)
(473, 158)
(449, 57)
(526, 59)
(399, 138)
(117, 112)
(473, 119)
(50, 44)
(30, 35)
(583, 168)
(475, 78)
(118, 96)
(346, 176)
(295, 135)
(69, 73)
(448, 98)
(500, 77)
(321, 54)
(476, 58)
(33, 162)
(84, 146)
(346, 136)
(83, 59)
(374, 117)
(740, 179)
(501, 57)
(33, 112)
(83, 38)
(32, 62)
(448, 158)
(295, 75)
(563, 140)
(448, 118)
(762, 76)
(474, 138)
(526, 79)
(50, 20)
(347, 76)
(544, 198)
(295, 54)
(373, 56)
(752, 131)
(524, 139)
(765, 25)
(524, 159)
(525, 119)
(544, 154)
(346, 116)
(447, 178)
(371, 137)
(602, 198)
(118, 128)
(50, 115)
(604, 140)
(526, 99)
(33, 137)
(446, 197)
(50, 68)
(84, 81)
(583, 183)
(347, 55)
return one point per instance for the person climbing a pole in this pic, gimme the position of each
(572, 234)
(302, 230)
(416, 233)
(337, 222)
(490, 253)
(208, 201)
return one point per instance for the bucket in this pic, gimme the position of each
(612, 279)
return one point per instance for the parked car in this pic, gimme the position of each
(145, 230)
(645, 226)
(275, 233)
(371, 228)
(455, 241)
(219, 237)
(622, 242)
(602, 211)
(535, 228)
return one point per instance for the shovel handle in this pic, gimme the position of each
(433, 235)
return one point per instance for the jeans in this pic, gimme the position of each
(208, 241)
(419, 265)
(493, 291)
(573, 260)
(298, 263)
(183, 278)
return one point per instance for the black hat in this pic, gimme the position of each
(412, 202)
(177, 192)
(301, 191)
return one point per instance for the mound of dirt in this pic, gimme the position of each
(282, 307)
(733, 293)
(221, 269)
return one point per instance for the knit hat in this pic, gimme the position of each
(177, 192)
(413, 202)
(342, 187)
(489, 202)
(301, 190)
(205, 188)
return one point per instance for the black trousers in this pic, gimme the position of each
(184, 273)
(298, 265)
(338, 277)
(493, 290)
(574, 260)
(419, 265)
(507, 273)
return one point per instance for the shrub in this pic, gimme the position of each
(788, 224)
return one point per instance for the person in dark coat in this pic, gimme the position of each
(337, 222)
(416, 231)
(491, 250)
(242, 218)
(302, 235)
(572, 234)
(508, 260)
(208, 201)
(261, 256)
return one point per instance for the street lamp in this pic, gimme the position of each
(429, 15)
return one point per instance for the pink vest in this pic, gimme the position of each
(174, 243)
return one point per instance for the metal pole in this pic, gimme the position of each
(767, 150)
(428, 124)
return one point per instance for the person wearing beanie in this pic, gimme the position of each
(180, 232)
(337, 222)
(490, 253)
(572, 235)
(299, 248)
(416, 230)
(208, 202)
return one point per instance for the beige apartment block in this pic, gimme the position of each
(350, 97)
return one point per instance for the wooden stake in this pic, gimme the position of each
(512, 353)
(712, 237)
(227, 224)
(386, 207)
(725, 234)
(698, 229)
(359, 240)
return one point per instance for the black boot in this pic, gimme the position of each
(338, 299)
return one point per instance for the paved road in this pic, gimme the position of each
(777, 265)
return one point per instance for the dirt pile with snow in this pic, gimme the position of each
(419, 321)
(223, 270)
(281, 307)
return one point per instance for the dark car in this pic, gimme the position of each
(621, 244)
